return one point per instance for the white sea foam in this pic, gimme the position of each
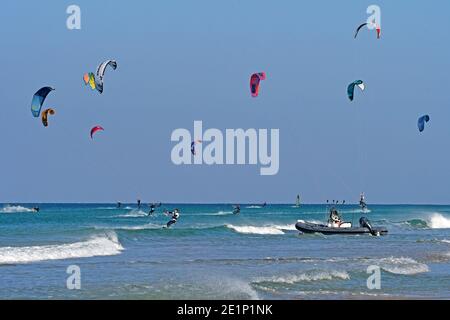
(134, 214)
(356, 211)
(288, 227)
(15, 209)
(102, 245)
(253, 207)
(404, 266)
(305, 277)
(219, 213)
(255, 230)
(231, 288)
(438, 221)
(268, 229)
(147, 226)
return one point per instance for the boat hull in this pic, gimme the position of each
(307, 227)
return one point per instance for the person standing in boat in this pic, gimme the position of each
(335, 219)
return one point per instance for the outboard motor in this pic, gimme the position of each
(365, 223)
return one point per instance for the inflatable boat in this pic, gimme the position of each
(364, 227)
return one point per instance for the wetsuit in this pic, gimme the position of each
(175, 216)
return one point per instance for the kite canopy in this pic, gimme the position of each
(255, 79)
(101, 73)
(45, 114)
(38, 100)
(95, 129)
(377, 27)
(421, 122)
(351, 88)
(193, 143)
(89, 79)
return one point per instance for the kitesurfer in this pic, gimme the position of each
(175, 215)
(139, 203)
(236, 209)
(119, 204)
(362, 201)
(152, 209)
(36, 209)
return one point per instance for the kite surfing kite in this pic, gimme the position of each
(95, 81)
(94, 130)
(89, 79)
(351, 88)
(255, 79)
(45, 114)
(421, 122)
(377, 27)
(101, 73)
(38, 100)
(193, 143)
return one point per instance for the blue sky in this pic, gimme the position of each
(180, 61)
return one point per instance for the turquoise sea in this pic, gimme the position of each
(210, 253)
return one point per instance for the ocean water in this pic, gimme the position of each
(212, 254)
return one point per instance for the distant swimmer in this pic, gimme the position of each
(119, 204)
(236, 209)
(175, 215)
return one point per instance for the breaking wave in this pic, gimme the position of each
(269, 230)
(15, 209)
(435, 221)
(308, 276)
(404, 266)
(438, 221)
(102, 245)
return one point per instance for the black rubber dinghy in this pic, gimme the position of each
(308, 227)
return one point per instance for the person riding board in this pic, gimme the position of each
(152, 209)
(175, 215)
(362, 201)
(236, 209)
